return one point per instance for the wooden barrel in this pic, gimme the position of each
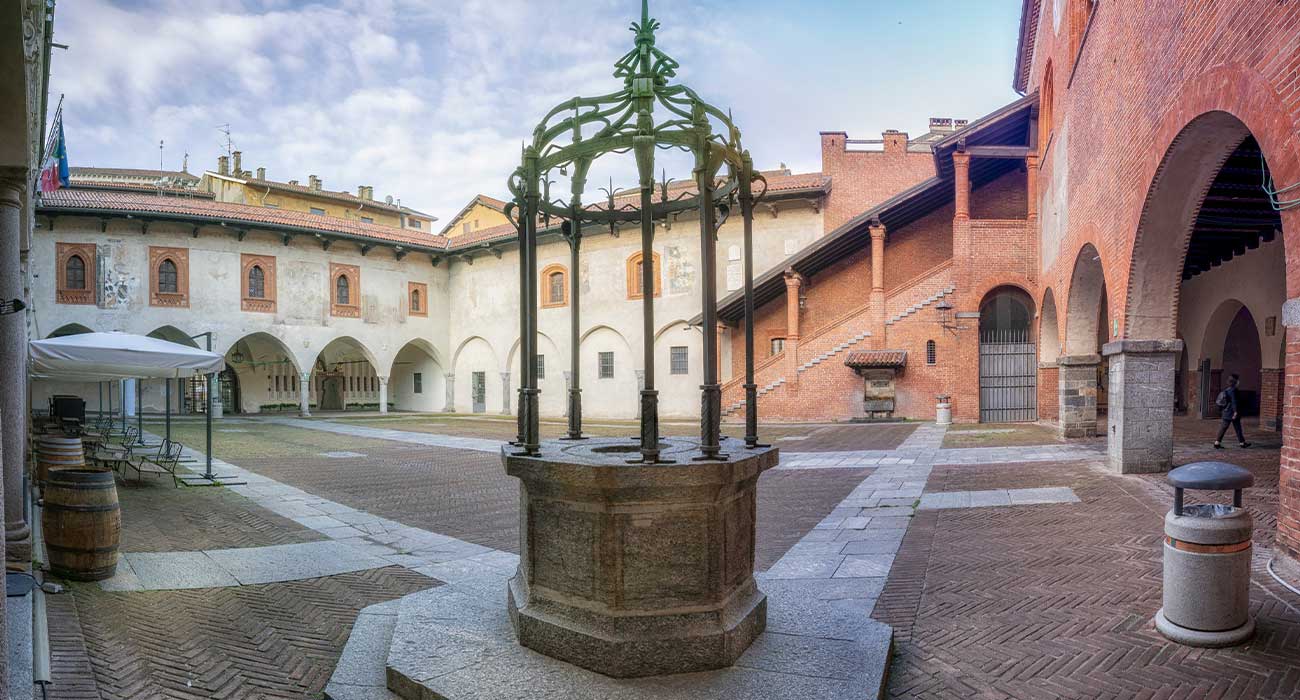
(58, 452)
(82, 523)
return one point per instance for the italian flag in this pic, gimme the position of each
(54, 171)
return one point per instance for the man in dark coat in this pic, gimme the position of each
(1227, 400)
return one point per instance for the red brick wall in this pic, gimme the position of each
(1288, 521)
(863, 179)
(1176, 61)
(1271, 383)
(1049, 393)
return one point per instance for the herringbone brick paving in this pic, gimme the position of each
(268, 641)
(1055, 601)
(157, 517)
(467, 494)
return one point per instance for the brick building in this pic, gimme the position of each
(1094, 256)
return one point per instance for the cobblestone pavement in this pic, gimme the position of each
(269, 641)
(1056, 601)
(157, 517)
(1001, 435)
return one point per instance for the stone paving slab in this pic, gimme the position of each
(430, 439)
(160, 571)
(291, 562)
(944, 500)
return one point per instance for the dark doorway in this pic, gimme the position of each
(1008, 359)
(228, 384)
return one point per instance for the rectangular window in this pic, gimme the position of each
(678, 360)
(606, 365)
(367, 220)
(317, 211)
(541, 367)
(419, 382)
(277, 382)
(415, 223)
(464, 228)
(778, 346)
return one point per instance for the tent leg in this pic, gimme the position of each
(139, 411)
(99, 407)
(167, 412)
(207, 474)
(123, 397)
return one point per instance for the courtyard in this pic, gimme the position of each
(1049, 594)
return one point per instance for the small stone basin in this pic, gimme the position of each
(637, 569)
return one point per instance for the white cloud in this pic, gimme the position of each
(427, 100)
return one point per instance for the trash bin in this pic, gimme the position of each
(943, 411)
(1207, 560)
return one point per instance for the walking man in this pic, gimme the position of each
(1227, 400)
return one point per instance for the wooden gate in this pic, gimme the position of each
(1008, 377)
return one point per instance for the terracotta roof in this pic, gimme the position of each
(778, 183)
(489, 202)
(876, 359)
(348, 197)
(137, 187)
(132, 172)
(98, 201)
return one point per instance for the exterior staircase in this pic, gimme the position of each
(767, 388)
(920, 305)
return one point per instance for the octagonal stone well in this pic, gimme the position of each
(634, 569)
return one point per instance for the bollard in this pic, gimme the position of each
(1207, 560)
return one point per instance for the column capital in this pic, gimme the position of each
(793, 279)
(876, 229)
(960, 159)
(382, 379)
(1031, 161)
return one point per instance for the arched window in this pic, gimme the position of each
(341, 290)
(415, 300)
(256, 282)
(555, 286)
(931, 353)
(75, 273)
(167, 277)
(634, 281)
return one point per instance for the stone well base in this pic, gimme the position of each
(449, 644)
(640, 646)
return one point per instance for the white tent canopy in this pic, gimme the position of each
(95, 357)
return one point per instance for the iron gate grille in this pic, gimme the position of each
(1008, 377)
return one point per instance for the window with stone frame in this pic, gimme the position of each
(170, 277)
(606, 365)
(345, 290)
(259, 283)
(418, 379)
(555, 286)
(417, 299)
(75, 274)
(541, 367)
(777, 346)
(634, 281)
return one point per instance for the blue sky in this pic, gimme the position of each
(428, 100)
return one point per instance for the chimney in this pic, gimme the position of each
(223, 165)
(313, 182)
(895, 141)
(237, 165)
(363, 192)
(261, 173)
(293, 182)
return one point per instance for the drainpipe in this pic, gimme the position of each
(267, 193)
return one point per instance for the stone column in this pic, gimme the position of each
(877, 231)
(450, 405)
(505, 393)
(1078, 394)
(793, 283)
(383, 394)
(1140, 413)
(640, 387)
(13, 371)
(961, 247)
(568, 386)
(304, 394)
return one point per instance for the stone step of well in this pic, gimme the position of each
(452, 642)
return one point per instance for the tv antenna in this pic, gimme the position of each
(229, 145)
(160, 155)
